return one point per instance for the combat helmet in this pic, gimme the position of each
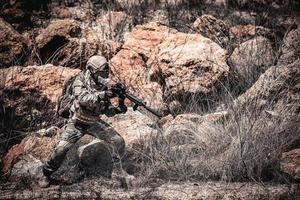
(97, 64)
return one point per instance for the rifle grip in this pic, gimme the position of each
(135, 107)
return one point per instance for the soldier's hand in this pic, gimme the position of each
(122, 106)
(110, 94)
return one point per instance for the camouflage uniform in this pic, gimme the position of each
(91, 100)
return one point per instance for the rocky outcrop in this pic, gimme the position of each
(134, 126)
(12, 45)
(32, 146)
(190, 64)
(252, 58)
(165, 64)
(290, 163)
(213, 28)
(56, 41)
(68, 43)
(188, 129)
(47, 80)
(290, 50)
(65, 29)
(129, 65)
(277, 89)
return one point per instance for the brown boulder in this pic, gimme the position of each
(59, 44)
(12, 46)
(47, 79)
(276, 90)
(161, 59)
(290, 163)
(36, 146)
(64, 43)
(252, 58)
(58, 28)
(213, 28)
(133, 126)
(129, 65)
(190, 64)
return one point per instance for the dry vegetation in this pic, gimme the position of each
(244, 147)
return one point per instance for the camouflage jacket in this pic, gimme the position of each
(90, 100)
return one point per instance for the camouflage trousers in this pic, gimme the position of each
(74, 131)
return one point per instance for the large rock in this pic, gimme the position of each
(129, 65)
(35, 145)
(290, 50)
(159, 63)
(12, 45)
(65, 29)
(213, 28)
(290, 163)
(277, 89)
(189, 129)
(190, 66)
(252, 58)
(134, 126)
(95, 158)
(69, 43)
(64, 43)
(47, 80)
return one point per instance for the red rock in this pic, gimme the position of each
(12, 46)
(47, 79)
(159, 58)
(39, 147)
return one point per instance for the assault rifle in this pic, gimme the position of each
(122, 92)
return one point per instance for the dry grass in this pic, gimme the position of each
(246, 146)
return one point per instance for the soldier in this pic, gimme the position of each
(91, 100)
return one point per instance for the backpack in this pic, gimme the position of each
(65, 101)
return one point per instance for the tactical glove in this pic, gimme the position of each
(122, 106)
(110, 94)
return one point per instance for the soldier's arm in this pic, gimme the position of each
(84, 97)
(111, 111)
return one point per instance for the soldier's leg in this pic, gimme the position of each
(72, 133)
(104, 131)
